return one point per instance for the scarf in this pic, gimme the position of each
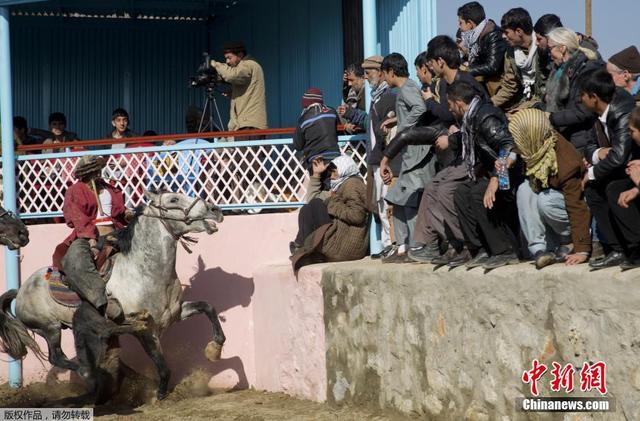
(468, 147)
(377, 92)
(347, 168)
(525, 63)
(535, 139)
(470, 40)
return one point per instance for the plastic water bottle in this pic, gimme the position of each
(503, 172)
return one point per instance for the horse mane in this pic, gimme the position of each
(125, 235)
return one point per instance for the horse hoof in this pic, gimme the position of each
(213, 351)
(161, 395)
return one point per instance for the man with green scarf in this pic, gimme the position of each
(553, 215)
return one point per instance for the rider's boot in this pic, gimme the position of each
(113, 310)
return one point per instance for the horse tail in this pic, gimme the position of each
(14, 336)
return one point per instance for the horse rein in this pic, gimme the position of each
(183, 239)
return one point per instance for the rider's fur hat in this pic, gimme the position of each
(87, 165)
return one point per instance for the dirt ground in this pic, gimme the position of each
(190, 400)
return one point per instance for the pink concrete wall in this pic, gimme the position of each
(289, 331)
(219, 271)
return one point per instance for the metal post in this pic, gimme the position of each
(587, 17)
(11, 257)
(370, 43)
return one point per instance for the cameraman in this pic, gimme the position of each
(248, 103)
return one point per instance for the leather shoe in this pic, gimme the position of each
(500, 260)
(546, 258)
(480, 258)
(396, 257)
(424, 254)
(615, 258)
(384, 252)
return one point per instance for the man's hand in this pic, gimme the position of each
(388, 124)
(585, 180)
(634, 163)
(129, 215)
(634, 174)
(626, 197)
(603, 152)
(453, 129)
(385, 171)
(350, 127)
(318, 166)
(442, 142)
(427, 94)
(342, 110)
(93, 245)
(575, 259)
(499, 161)
(490, 193)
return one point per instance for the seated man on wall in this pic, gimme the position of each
(333, 225)
(609, 156)
(624, 199)
(553, 215)
(483, 210)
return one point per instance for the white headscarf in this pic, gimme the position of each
(346, 167)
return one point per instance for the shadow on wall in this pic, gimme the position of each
(184, 342)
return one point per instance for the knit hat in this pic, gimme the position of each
(312, 96)
(373, 62)
(87, 165)
(627, 59)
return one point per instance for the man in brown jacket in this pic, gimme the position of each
(248, 102)
(553, 215)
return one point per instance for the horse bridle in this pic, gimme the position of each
(183, 239)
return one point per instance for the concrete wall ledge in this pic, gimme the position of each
(450, 344)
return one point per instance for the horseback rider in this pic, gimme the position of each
(94, 209)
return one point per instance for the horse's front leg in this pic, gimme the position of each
(151, 344)
(190, 308)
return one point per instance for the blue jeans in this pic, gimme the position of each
(543, 218)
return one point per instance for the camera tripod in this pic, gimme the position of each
(211, 110)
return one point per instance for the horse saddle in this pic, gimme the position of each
(62, 294)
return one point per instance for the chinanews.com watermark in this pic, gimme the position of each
(592, 378)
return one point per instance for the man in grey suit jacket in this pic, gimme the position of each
(417, 161)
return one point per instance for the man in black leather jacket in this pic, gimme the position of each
(609, 156)
(486, 57)
(484, 211)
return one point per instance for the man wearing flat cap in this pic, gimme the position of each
(383, 101)
(248, 102)
(625, 70)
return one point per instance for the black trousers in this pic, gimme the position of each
(312, 216)
(82, 275)
(626, 222)
(597, 194)
(482, 227)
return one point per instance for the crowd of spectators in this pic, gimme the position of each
(520, 143)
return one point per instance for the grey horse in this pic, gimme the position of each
(143, 279)
(13, 232)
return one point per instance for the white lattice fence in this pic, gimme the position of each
(258, 176)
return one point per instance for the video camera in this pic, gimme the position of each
(206, 75)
